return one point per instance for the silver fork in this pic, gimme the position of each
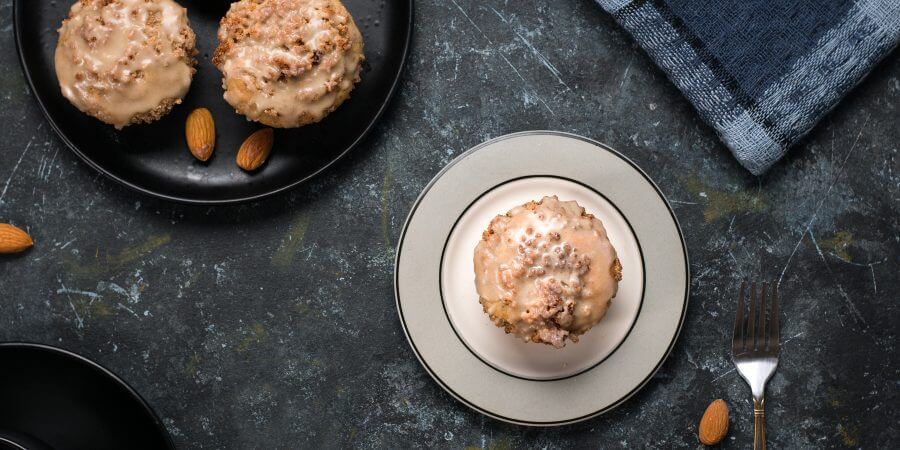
(754, 350)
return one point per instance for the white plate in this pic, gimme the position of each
(495, 373)
(513, 356)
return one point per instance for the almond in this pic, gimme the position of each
(200, 132)
(13, 239)
(714, 423)
(256, 149)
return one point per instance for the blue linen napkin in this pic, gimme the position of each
(762, 72)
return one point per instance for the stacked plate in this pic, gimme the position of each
(506, 378)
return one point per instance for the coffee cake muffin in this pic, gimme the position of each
(125, 61)
(288, 63)
(546, 271)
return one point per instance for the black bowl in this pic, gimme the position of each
(154, 158)
(53, 398)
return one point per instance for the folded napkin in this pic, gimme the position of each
(762, 72)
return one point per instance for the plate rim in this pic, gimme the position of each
(687, 287)
(26, 70)
(68, 354)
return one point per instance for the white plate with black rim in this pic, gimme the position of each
(497, 374)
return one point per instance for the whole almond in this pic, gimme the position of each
(13, 239)
(200, 132)
(256, 149)
(714, 423)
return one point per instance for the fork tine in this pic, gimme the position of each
(774, 327)
(737, 339)
(751, 319)
(761, 332)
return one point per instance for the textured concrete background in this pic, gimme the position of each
(272, 324)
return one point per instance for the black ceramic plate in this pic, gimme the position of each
(52, 398)
(154, 158)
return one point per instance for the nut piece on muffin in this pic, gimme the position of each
(288, 63)
(546, 271)
(125, 61)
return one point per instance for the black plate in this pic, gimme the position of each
(52, 398)
(154, 158)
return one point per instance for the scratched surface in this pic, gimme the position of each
(272, 324)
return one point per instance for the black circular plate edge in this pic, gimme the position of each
(407, 42)
(68, 354)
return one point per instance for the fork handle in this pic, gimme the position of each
(759, 425)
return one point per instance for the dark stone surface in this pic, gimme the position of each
(272, 324)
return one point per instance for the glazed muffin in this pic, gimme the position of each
(125, 61)
(546, 271)
(288, 63)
